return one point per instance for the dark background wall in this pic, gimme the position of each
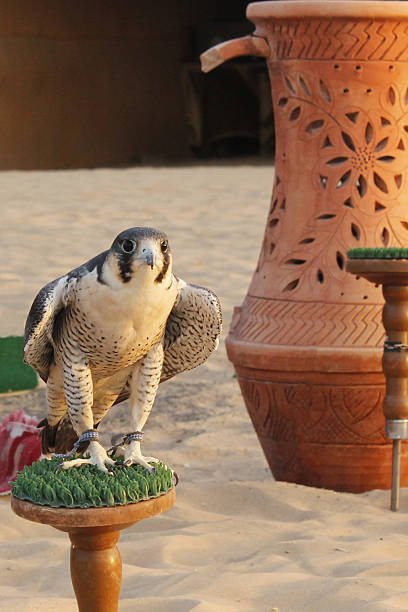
(99, 82)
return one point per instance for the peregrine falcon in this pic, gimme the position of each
(113, 329)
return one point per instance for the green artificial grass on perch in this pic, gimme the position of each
(378, 253)
(47, 484)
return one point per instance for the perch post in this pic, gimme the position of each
(392, 274)
(96, 566)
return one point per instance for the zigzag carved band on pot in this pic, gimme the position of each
(364, 40)
(280, 322)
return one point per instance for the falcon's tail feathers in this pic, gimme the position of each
(47, 434)
(59, 438)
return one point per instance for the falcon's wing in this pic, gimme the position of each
(192, 330)
(38, 351)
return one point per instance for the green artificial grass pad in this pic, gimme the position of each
(378, 253)
(15, 375)
(47, 484)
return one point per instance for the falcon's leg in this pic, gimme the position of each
(79, 394)
(143, 389)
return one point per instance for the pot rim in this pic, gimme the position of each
(321, 9)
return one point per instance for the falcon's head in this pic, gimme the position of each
(141, 251)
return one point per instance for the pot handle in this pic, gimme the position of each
(246, 45)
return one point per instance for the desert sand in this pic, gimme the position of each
(236, 539)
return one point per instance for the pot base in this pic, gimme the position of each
(329, 434)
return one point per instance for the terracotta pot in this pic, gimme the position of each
(307, 341)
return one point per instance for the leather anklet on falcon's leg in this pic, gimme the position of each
(143, 389)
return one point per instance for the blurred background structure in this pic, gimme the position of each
(103, 83)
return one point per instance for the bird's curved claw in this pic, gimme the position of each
(112, 451)
(97, 456)
(133, 456)
(128, 447)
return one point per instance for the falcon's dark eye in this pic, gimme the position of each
(128, 246)
(164, 246)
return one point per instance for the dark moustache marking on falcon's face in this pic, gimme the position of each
(165, 249)
(125, 264)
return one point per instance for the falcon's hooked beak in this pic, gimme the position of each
(149, 257)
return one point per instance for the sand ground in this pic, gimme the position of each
(236, 539)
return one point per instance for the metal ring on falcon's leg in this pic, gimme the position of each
(134, 436)
(90, 435)
(126, 439)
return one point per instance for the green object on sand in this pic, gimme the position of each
(378, 253)
(15, 375)
(47, 484)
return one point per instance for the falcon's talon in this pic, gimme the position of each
(149, 468)
(96, 455)
(132, 456)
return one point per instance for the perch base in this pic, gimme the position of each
(96, 565)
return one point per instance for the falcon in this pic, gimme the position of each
(110, 330)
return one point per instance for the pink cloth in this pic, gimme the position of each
(20, 445)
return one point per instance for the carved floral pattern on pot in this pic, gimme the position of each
(361, 158)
